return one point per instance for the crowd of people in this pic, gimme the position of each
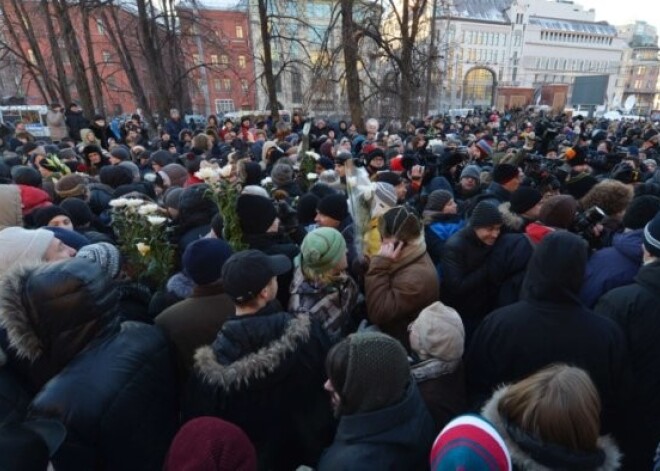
(473, 293)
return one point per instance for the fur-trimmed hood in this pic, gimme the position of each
(254, 366)
(511, 220)
(608, 453)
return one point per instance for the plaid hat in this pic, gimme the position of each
(438, 333)
(471, 171)
(334, 206)
(246, 273)
(401, 223)
(504, 173)
(204, 258)
(485, 214)
(471, 443)
(104, 254)
(651, 236)
(524, 199)
(321, 250)
(437, 200)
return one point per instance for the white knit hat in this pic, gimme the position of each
(18, 245)
(438, 333)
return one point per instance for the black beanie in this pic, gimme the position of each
(43, 216)
(255, 213)
(504, 173)
(80, 212)
(524, 199)
(252, 174)
(485, 214)
(115, 176)
(334, 206)
(640, 211)
(29, 176)
(307, 208)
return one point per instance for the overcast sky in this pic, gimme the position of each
(621, 12)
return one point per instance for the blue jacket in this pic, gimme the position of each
(436, 234)
(397, 437)
(612, 267)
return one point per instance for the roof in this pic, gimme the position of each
(481, 10)
(573, 26)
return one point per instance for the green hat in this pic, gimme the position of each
(321, 250)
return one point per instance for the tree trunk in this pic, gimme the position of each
(97, 83)
(77, 65)
(405, 88)
(62, 83)
(268, 59)
(351, 61)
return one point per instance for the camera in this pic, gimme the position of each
(585, 222)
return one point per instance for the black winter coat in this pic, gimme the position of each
(636, 309)
(265, 373)
(549, 325)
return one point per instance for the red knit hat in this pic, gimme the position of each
(211, 444)
(33, 198)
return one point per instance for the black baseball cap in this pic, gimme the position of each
(246, 273)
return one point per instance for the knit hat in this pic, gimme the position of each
(43, 216)
(471, 443)
(22, 175)
(255, 213)
(504, 173)
(377, 373)
(641, 211)
(134, 169)
(330, 178)
(282, 174)
(120, 152)
(438, 333)
(485, 214)
(651, 236)
(393, 178)
(321, 250)
(524, 199)
(33, 198)
(18, 245)
(71, 185)
(115, 176)
(172, 197)
(80, 212)
(384, 198)
(437, 200)
(69, 238)
(471, 171)
(203, 260)
(307, 208)
(400, 223)
(173, 175)
(104, 254)
(326, 163)
(484, 147)
(211, 444)
(559, 211)
(334, 206)
(161, 157)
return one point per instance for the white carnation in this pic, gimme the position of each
(266, 181)
(314, 155)
(148, 208)
(312, 176)
(118, 203)
(156, 220)
(225, 172)
(206, 173)
(134, 203)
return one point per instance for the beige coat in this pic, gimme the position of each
(56, 125)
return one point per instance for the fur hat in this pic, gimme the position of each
(651, 236)
(104, 254)
(437, 200)
(203, 260)
(485, 214)
(504, 173)
(377, 373)
(524, 199)
(74, 184)
(438, 333)
(321, 250)
(334, 206)
(255, 213)
(400, 223)
(559, 211)
(641, 211)
(611, 196)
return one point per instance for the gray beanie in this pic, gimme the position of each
(282, 174)
(378, 372)
(105, 255)
(471, 171)
(135, 170)
(437, 200)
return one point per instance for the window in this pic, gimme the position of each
(224, 60)
(226, 83)
(197, 59)
(100, 27)
(224, 106)
(107, 57)
(241, 62)
(217, 85)
(214, 59)
(239, 31)
(245, 86)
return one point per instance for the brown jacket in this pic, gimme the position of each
(396, 291)
(195, 322)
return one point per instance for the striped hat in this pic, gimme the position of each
(652, 236)
(469, 443)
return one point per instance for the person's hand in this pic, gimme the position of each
(391, 250)
(417, 172)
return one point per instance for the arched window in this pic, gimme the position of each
(478, 87)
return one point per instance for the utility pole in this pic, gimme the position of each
(432, 55)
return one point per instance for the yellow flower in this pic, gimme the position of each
(143, 248)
